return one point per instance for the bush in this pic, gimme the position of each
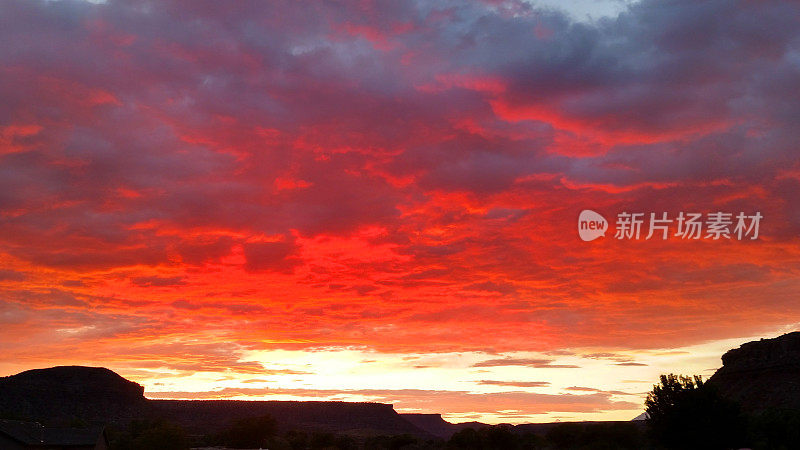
(150, 434)
(466, 439)
(395, 442)
(685, 413)
(252, 432)
(595, 436)
(331, 441)
(497, 437)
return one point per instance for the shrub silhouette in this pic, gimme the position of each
(496, 437)
(685, 413)
(332, 441)
(395, 442)
(253, 432)
(150, 434)
(595, 436)
(468, 438)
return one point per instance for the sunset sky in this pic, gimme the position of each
(373, 200)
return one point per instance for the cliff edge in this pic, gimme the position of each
(763, 374)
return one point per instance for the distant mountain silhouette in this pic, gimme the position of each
(62, 394)
(762, 374)
(199, 416)
(437, 426)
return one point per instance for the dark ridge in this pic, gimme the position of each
(60, 395)
(543, 428)
(432, 423)
(437, 426)
(344, 417)
(66, 392)
(763, 374)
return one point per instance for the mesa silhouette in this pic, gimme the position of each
(64, 394)
(760, 375)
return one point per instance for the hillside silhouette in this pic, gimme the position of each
(63, 394)
(761, 377)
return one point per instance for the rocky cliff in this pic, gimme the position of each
(762, 374)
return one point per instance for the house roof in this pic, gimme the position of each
(33, 434)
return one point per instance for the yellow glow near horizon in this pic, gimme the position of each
(447, 383)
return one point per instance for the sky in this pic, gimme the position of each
(379, 200)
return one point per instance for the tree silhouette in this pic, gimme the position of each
(683, 412)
